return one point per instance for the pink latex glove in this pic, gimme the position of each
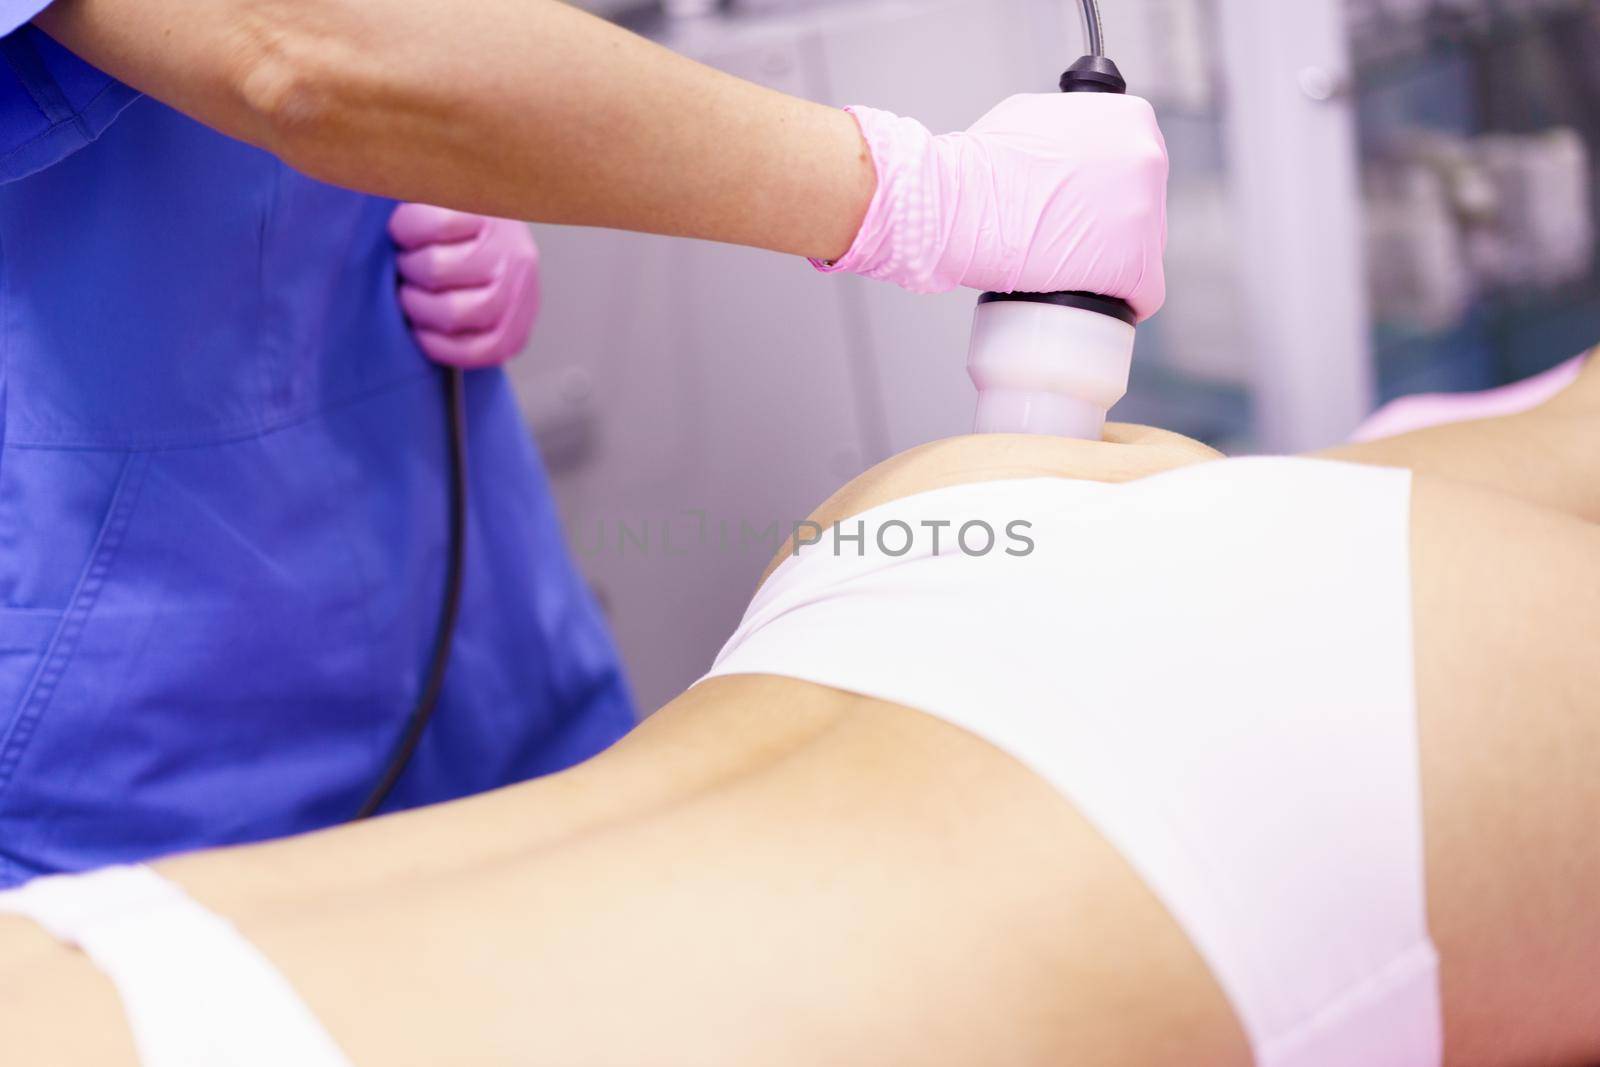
(1048, 192)
(469, 284)
(1425, 410)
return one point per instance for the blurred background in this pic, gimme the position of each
(1370, 198)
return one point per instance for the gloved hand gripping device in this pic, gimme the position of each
(1055, 363)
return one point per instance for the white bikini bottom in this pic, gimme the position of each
(195, 992)
(1214, 666)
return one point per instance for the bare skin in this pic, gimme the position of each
(528, 109)
(770, 872)
(1544, 456)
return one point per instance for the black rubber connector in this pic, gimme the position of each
(1100, 305)
(1093, 74)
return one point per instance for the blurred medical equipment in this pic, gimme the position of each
(1055, 363)
(1478, 121)
(1451, 219)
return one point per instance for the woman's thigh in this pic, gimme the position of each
(1507, 613)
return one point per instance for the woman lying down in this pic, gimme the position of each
(1271, 761)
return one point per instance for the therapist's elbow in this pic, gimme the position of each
(294, 89)
(281, 102)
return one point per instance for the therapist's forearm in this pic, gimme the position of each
(524, 108)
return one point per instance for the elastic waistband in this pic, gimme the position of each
(194, 990)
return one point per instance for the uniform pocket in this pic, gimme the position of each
(25, 627)
(63, 518)
(213, 677)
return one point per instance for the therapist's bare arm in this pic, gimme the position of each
(523, 108)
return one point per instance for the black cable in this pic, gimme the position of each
(1093, 35)
(449, 614)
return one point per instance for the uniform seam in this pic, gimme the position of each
(234, 436)
(77, 120)
(269, 353)
(5, 349)
(26, 63)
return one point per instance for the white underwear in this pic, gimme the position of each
(1215, 667)
(195, 992)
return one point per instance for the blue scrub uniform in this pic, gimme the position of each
(224, 500)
